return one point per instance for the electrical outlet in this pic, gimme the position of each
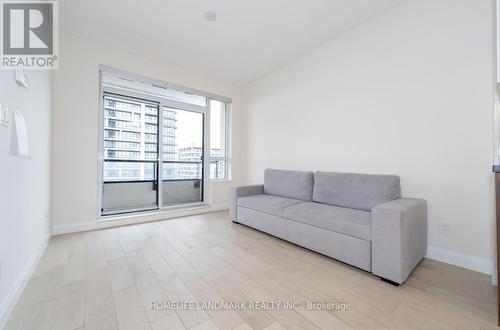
(444, 228)
(4, 115)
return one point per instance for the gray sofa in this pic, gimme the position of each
(359, 219)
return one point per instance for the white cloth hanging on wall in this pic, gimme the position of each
(21, 135)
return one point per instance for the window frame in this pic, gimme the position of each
(163, 101)
(226, 156)
(118, 94)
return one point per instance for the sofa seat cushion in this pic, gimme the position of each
(351, 222)
(270, 204)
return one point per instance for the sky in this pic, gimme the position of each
(190, 127)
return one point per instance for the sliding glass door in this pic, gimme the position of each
(153, 153)
(183, 149)
(130, 160)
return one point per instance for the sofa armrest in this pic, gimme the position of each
(399, 238)
(242, 191)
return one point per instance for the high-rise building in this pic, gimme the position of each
(131, 144)
(131, 139)
(192, 170)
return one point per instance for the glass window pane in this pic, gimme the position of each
(130, 129)
(217, 128)
(129, 171)
(130, 148)
(182, 156)
(181, 171)
(218, 168)
(124, 196)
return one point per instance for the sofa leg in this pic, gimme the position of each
(236, 222)
(389, 281)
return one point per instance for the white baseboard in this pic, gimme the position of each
(12, 297)
(73, 228)
(219, 207)
(481, 265)
(115, 221)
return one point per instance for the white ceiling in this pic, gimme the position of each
(249, 38)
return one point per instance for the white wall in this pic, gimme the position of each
(24, 184)
(409, 92)
(76, 124)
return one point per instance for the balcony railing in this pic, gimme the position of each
(182, 184)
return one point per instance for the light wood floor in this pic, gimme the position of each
(108, 279)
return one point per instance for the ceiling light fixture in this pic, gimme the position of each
(210, 16)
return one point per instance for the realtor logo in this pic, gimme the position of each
(29, 36)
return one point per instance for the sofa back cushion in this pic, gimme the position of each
(356, 191)
(289, 184)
